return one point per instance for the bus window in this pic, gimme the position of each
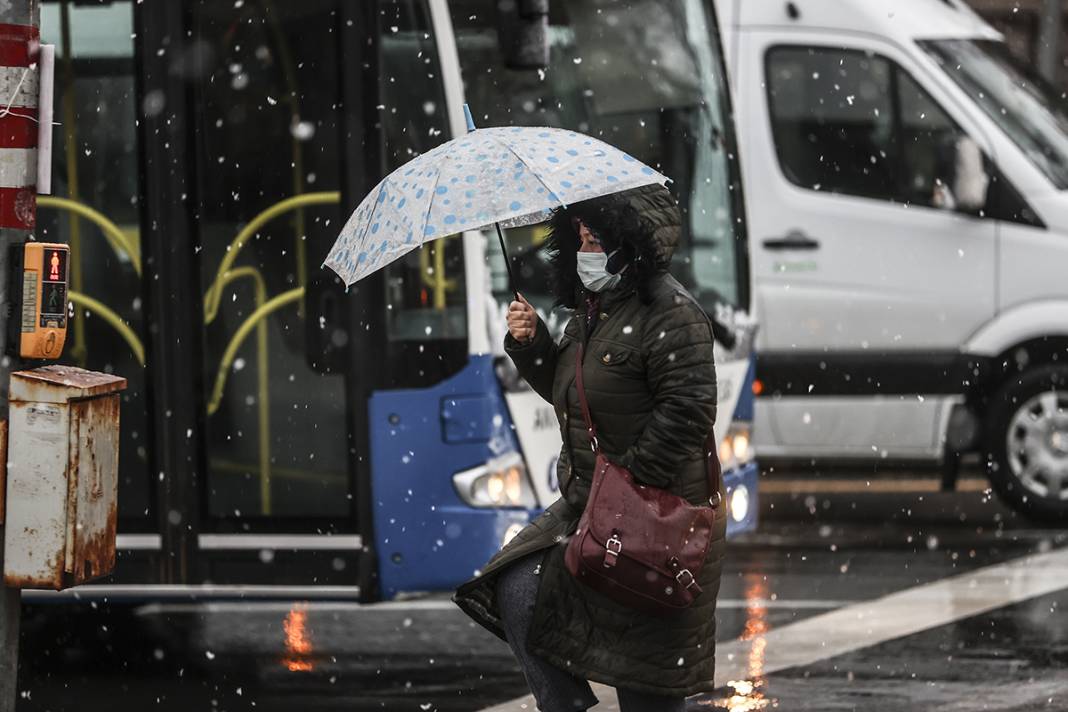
(426, 298)
(94, 165)
(266, 138)
(663, 101)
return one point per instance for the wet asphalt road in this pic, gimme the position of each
(814, 554)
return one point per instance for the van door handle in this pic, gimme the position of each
(793, 240)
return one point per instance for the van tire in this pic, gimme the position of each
(1005, 410)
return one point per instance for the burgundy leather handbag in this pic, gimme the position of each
(640, 545)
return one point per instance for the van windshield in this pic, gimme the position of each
(1030, 110)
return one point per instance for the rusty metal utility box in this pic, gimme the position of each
(62, 476)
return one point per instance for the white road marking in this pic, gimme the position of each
(869, 623)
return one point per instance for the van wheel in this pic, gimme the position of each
(1027, 443)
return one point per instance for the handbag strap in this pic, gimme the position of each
(591, 430)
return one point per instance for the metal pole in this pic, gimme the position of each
(19, 47)
(1049, 40)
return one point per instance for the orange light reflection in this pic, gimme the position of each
(748, 695)
(298, 644)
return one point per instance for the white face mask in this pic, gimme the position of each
(591, 267)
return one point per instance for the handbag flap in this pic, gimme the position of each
(653, 524)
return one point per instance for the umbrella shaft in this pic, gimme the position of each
(507, 261)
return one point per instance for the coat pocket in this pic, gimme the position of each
(612, 355)
(614, 361)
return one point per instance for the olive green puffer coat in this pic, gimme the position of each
(651, 386)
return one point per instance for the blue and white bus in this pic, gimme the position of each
(282, 436)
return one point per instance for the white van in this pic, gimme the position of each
(907, 186)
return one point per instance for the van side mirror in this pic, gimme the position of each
(523, 33)
(970, 179)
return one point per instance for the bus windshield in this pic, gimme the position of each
(647, 77)
(1027, 108)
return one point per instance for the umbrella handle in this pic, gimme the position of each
(507, 261)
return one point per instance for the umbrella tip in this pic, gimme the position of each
(470, 119)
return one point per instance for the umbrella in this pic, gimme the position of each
(505, 176)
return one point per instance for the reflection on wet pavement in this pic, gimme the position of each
(298, 644)
(748, 694)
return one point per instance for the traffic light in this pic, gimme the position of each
(37, 320)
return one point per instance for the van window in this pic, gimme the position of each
(852, 122)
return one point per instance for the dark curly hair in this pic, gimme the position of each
(618, 223)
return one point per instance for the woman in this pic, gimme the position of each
(651, 387)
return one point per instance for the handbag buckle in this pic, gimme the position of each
(685, 584)
(612, 554)
(715, 499)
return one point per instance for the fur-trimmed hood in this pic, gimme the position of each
(644, 222)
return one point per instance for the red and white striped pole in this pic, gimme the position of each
(19, 49)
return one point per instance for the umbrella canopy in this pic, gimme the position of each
(508, 175)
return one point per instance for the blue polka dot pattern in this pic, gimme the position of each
(511, 175)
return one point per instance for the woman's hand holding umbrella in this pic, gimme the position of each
(522, 320)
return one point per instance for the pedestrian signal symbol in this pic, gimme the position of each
(38, 295)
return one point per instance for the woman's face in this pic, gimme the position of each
(589, 242)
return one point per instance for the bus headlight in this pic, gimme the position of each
(739, 503)
(500, 482)
(736, 449)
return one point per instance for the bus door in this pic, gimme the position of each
(278, 502)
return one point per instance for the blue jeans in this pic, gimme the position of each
(556, 690)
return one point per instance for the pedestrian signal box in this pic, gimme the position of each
(37, 320)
